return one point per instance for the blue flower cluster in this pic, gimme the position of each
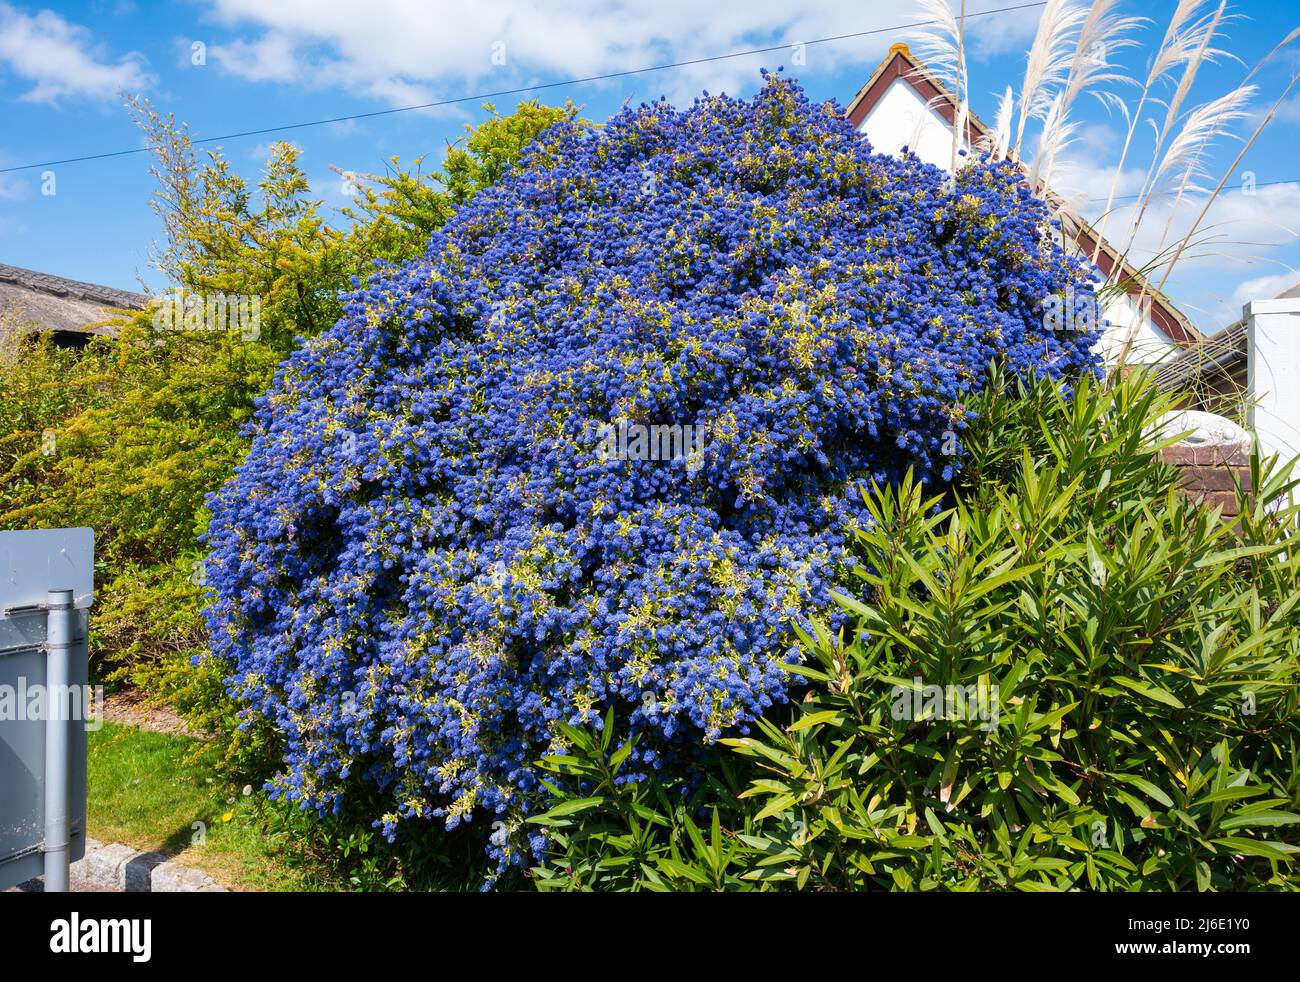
(430, 556)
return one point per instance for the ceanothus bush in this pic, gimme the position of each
(431, 555)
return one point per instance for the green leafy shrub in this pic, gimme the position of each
(142, 428)
(1079, 680)
(342, 850)
(1070, 678)
(610, 834)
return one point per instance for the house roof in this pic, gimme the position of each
(1224, 352)
(901, 64)
(52, 303)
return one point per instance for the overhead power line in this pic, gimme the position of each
(1202, 191)
(541, 86)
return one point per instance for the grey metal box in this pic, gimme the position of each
(31, 564)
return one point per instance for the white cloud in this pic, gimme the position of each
(1265, 287)
(61, 60)
(270, 58)
(1288, 112)
(412, 51)
(394, 91)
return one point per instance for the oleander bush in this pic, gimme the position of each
(1071, 678)
(435, 554)
(678, 831)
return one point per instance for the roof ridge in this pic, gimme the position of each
(60, 286)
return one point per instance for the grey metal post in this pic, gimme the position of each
(62, 636)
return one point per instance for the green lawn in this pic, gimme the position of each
(145, 791)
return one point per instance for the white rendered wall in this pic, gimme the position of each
(1273, 353)
(902, 119)
(1133, 330)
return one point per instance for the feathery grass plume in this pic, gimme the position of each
(1057, 134)
(1102, 33)
(1049, 61)
(963, 100)
(1181, 165)
(1189, 237)
(1268, 117)
(1187, 151)
(1173, 114)
(942, 46)
(1185, 39)
(960, 119)
(1002, 125)
(1182, 37)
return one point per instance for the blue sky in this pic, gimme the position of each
(266, 64)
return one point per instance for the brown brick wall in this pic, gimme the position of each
(1207, 472)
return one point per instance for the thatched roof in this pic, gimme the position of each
(41, 302)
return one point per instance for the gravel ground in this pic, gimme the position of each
(131, 707)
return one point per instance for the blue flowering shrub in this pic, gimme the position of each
(601, 445)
